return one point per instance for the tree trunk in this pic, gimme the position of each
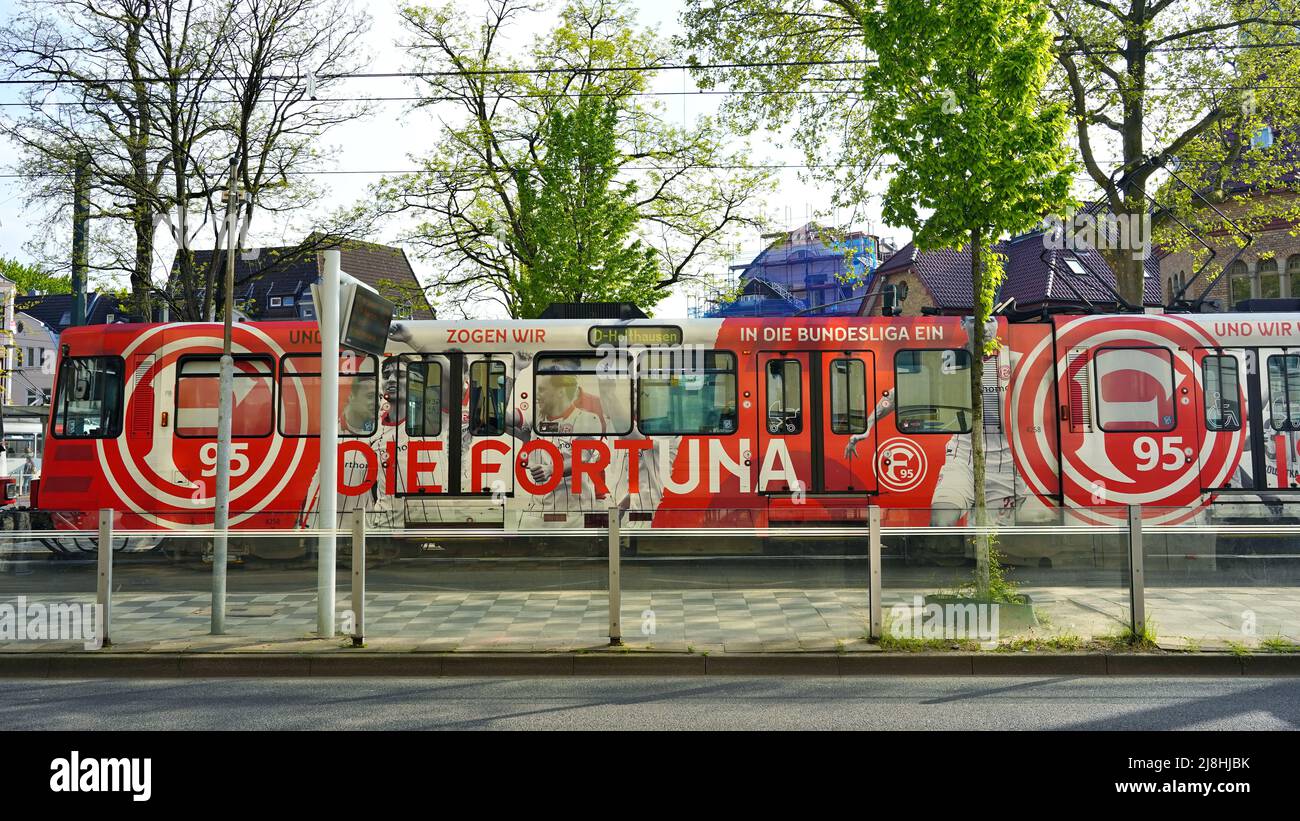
(142, 274)
(980, 314)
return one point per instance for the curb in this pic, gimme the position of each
(416, 665)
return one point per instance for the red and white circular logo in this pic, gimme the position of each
(169, 478)
(1138, 383)
(900, 464)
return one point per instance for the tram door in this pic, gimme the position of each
(454, 440)
(1250, 404)
(813, 408)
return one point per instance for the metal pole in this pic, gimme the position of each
(1137, 581)
(80, 237)
(104, 582)
(873, 559)
(359, 577)
(328, 312)
(615, 583)
(225, 402)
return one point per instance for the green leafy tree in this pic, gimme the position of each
(495, 101)
(948, 97)
(33, 278)
(979, 153)
(794, 68)
(581, 220)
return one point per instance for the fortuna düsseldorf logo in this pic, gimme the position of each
(169, 479)
(900, 464)
(1143, 389)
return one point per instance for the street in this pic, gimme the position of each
(874, 703)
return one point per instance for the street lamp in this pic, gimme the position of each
(225, 404)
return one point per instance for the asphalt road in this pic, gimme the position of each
(661, 704)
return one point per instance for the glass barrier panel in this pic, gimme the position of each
(1224, 576)
(47, 589)
(1058, 579)
(713, 588)
(439, 586)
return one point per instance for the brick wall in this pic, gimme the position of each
(917, 295)
(1275, 242)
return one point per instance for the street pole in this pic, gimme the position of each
(225, 402)
(328, 312)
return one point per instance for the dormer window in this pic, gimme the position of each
(275, 302)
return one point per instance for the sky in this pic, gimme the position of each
(386, 139)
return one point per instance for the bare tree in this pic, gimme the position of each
(277, 50)
(90, 71)
(161, 95)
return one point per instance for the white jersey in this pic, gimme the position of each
(559, 432)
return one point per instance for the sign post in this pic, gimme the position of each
(328, 310)
(355, 316)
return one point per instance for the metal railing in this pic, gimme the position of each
(1131, 531)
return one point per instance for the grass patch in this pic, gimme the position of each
(907, 644)
(1126, 639)
(1064, 643)
(1278, 644)
(1238, 649)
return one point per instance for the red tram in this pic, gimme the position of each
(527, 425)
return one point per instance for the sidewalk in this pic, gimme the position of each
(714, 621)
(565, 632)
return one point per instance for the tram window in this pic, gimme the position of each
(1284, 391)
(198, 383)
(784, 396)
(1135, 389)
(582, 394)
(933, 388)
(686, 392)
(487, 398)
(89, 401)
(423, 394)
(1222, 393)
(848, 396)
(300, 395)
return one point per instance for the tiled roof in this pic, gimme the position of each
(55, 310)
(290, 271)
(1036, 276)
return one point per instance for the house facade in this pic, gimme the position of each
(806, 271)
(1268, 267)
(275, 283)
(1040, 278)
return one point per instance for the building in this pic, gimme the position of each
(32, 374)
(800, 272)
(1040, 278)
(38, 321)
(1268, 267)
(275, 283)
